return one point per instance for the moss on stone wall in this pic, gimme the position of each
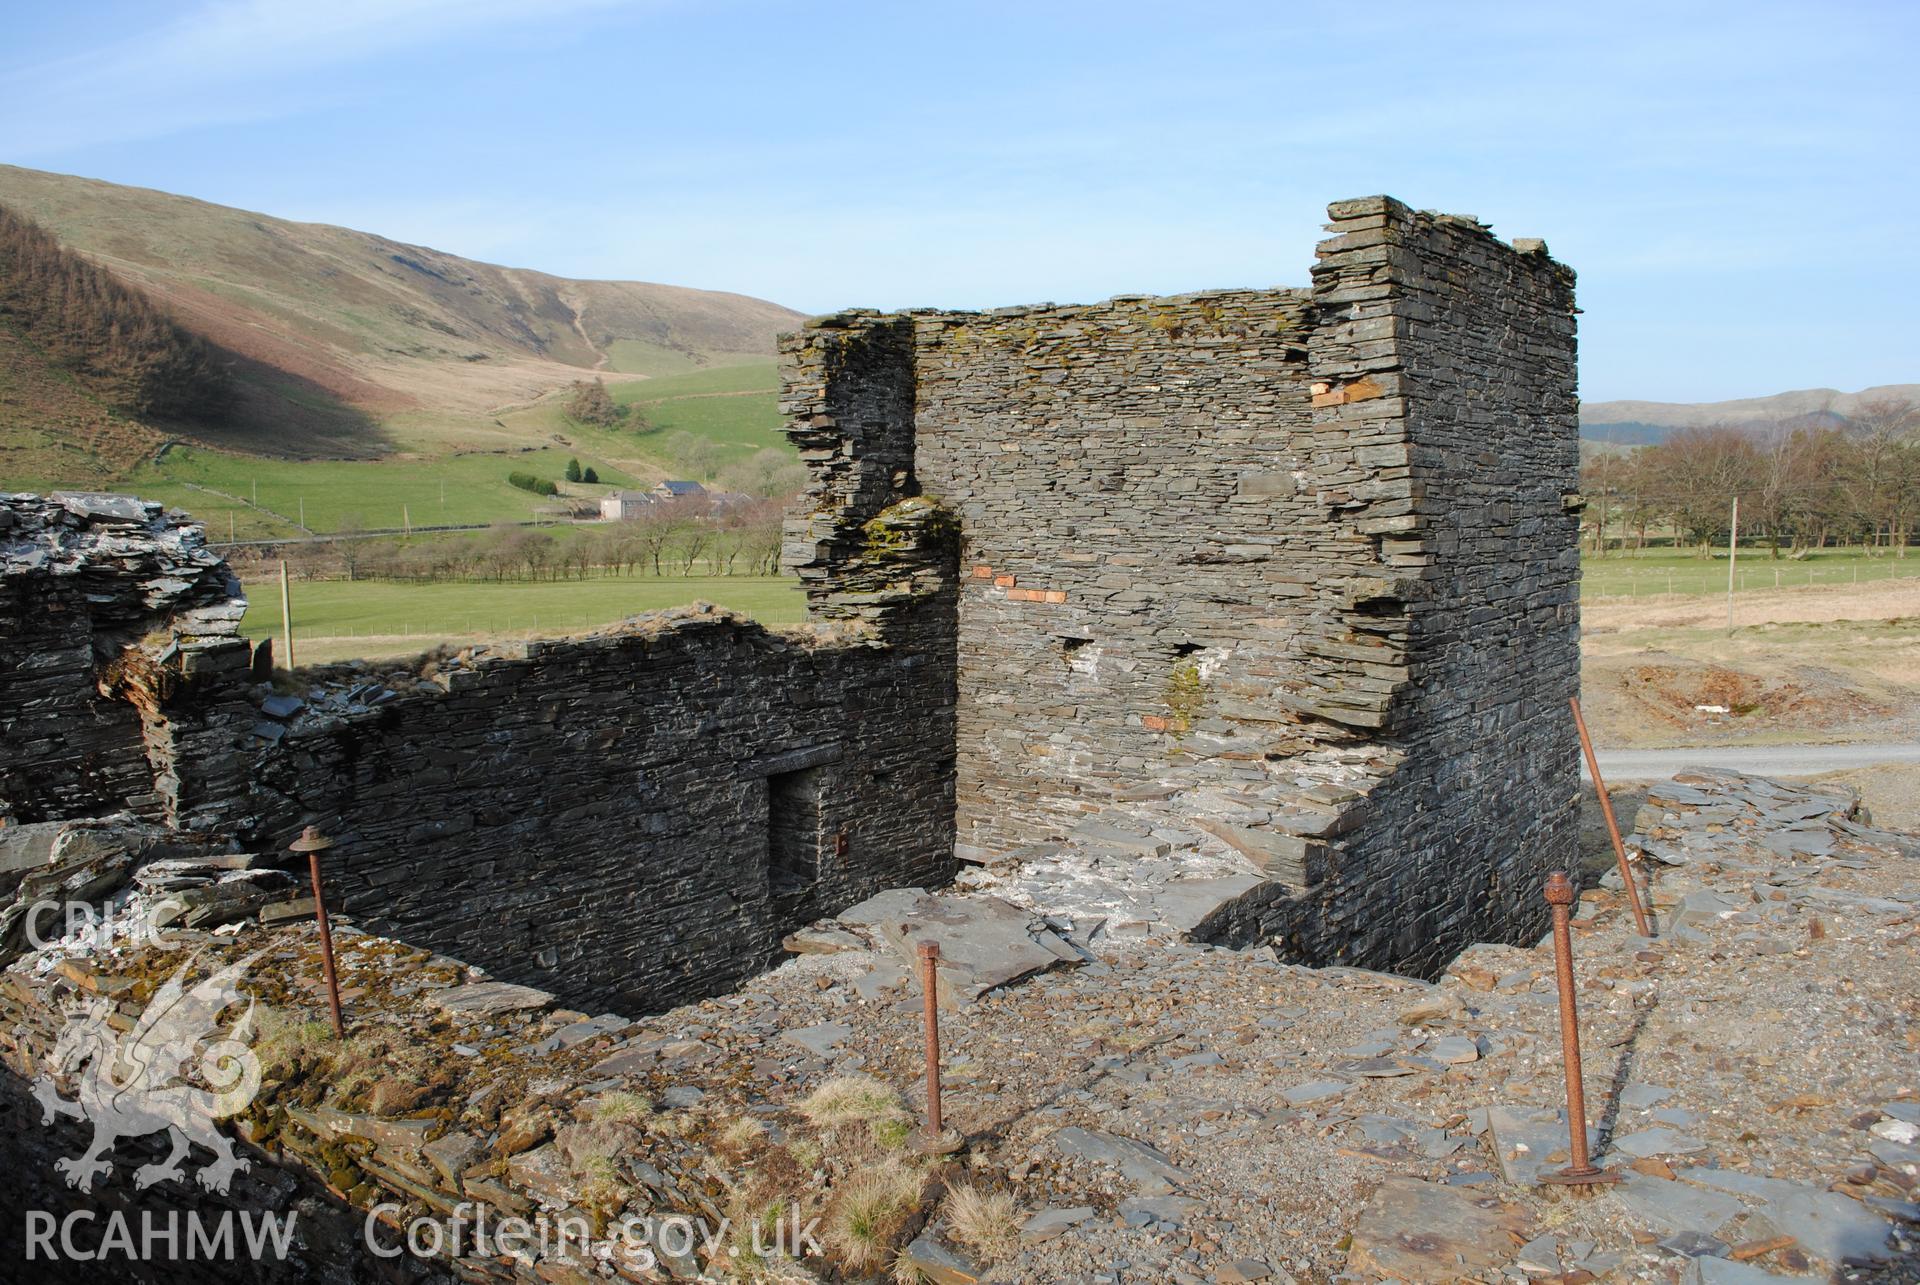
(1186, 696)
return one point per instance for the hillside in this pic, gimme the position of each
(53, 431)
(1639, 423)
(345, 343)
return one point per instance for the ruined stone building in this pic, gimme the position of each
(1253, 610)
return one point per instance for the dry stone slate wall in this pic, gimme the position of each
(614, 818)
(632, 819)
(1295, 569)
(1142, 564)
(110, 613)
(1444, 369)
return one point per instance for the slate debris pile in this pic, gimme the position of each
(64, 877)
(1173, 1112)
(1716, 815)
(452, 1088)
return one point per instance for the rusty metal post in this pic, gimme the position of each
(1559, 893)
(313, 843)
(930, 1021)
(933, 1138)
(1640, 922)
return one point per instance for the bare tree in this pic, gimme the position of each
(1697, 472)
(1886, 473)
(352, 552)
(1775, 501)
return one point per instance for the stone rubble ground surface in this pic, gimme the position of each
(1166, 1111)
(1748, 1072)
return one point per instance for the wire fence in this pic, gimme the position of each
(1711, 578)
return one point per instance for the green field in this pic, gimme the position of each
(456, 489)
(638, 357)
(257, 497)
(339, 619)
(735, 407)
(1664, 572)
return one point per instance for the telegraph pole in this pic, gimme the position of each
(1733, 554)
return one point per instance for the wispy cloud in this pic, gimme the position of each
(228, 62)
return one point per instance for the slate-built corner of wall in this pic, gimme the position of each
(1445, 417)
(122, 670)
(868, 546)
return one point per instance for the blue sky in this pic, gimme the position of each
(1734, 183)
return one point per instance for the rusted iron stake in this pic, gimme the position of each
(1640, 922)
(1559, 894)
(313, 843)
(930, 1021)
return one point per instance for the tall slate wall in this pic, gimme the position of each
(1456, 353)
(1141, 561)
(1297, 568)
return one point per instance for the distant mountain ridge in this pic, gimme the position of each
(1633, 423)
(349, 343)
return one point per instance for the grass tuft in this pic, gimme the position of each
(620, 1108)
(741, 1134)
(851, 1099)
(870, 1208)
(288, 1040)
(986, 1221)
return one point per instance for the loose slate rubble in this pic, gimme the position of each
(1421, 1231)
(984, 942)
(1137, 1104)
(490, 999)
